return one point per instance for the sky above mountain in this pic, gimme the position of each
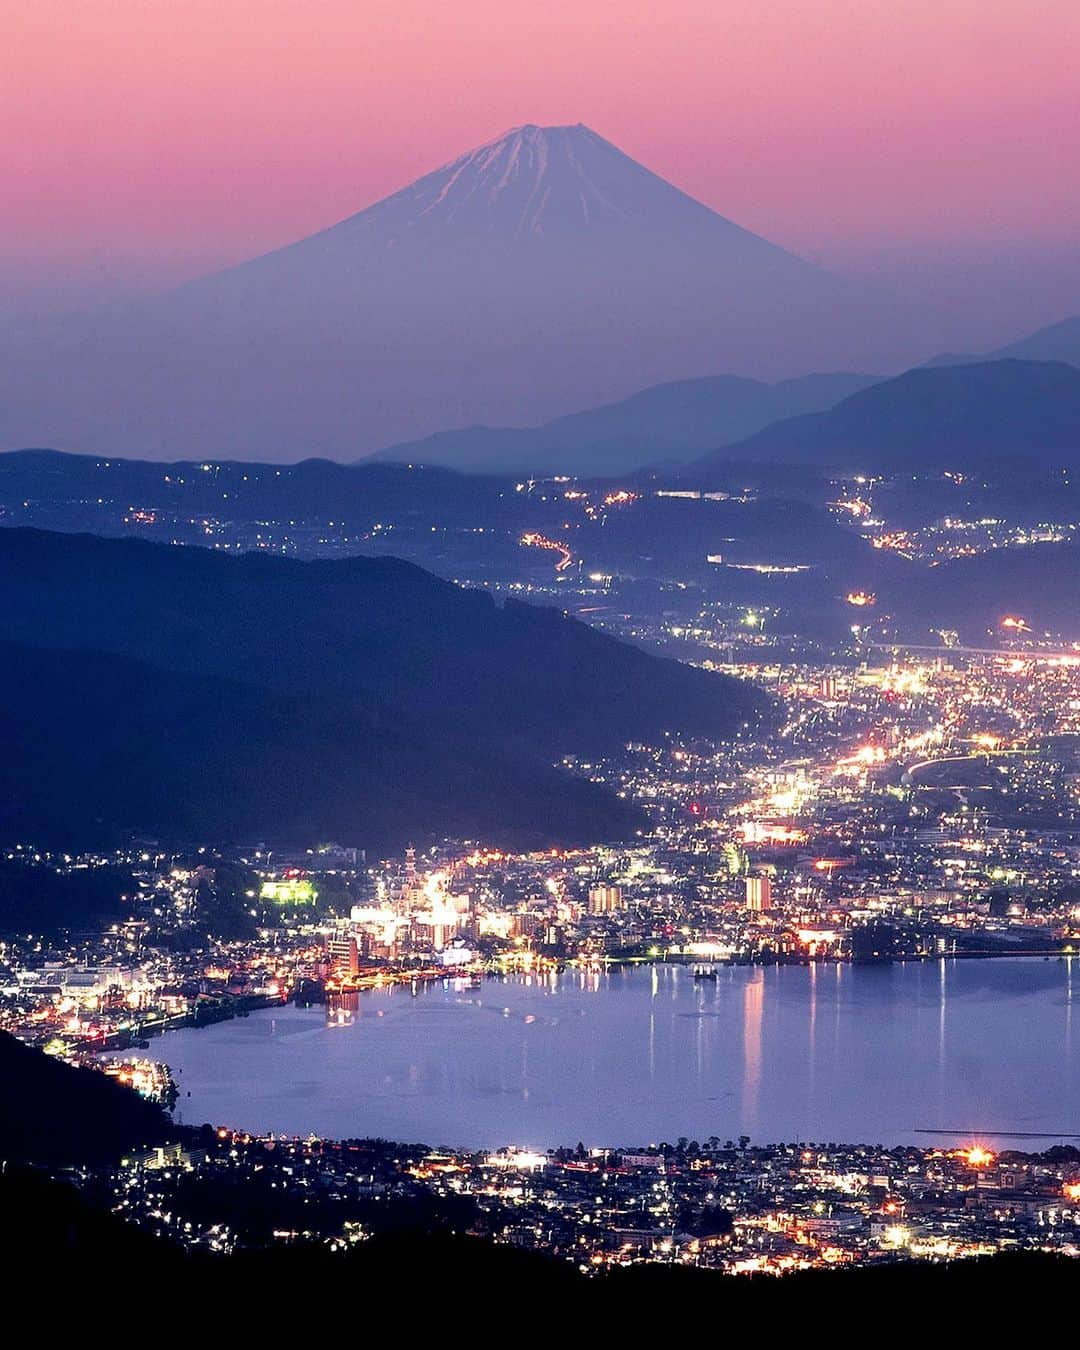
(149, 140)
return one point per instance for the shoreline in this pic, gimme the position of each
(368, 1079)
(242, 1005)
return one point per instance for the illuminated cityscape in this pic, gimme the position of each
(721, 1204)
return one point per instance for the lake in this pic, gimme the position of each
(638, 1055)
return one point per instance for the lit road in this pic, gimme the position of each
(541, 541)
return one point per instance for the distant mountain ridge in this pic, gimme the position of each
(667, 422)
(1056, 342)
(947, 416)
(312, 489)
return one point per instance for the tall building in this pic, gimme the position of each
(411, 896)
(526, 925)
(605, 899)
(342, 955)
(758, 892)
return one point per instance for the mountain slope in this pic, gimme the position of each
(374, 629)
(367, 693)
(972, 595)
(55, 1115)
(99, 747)
(666, 422)
(947, 416)
(544, 271)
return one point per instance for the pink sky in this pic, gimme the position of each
(182, 134)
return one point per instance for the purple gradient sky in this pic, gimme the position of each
(172, 136)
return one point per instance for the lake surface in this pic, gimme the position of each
(846, 1053)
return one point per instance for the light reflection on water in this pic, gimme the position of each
(640, 1055)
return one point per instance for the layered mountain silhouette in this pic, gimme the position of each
(544, 271)
(944, 416)
(315, 490)
(1055, 342)
(668, 422)
(188, 694)
(458, 525)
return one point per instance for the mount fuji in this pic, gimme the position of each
(541, 273)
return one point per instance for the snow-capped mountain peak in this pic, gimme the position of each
(536, 181)
(530, 180)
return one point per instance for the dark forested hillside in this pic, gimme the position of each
(56, 1115)
(184, 691)
(98, 746)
